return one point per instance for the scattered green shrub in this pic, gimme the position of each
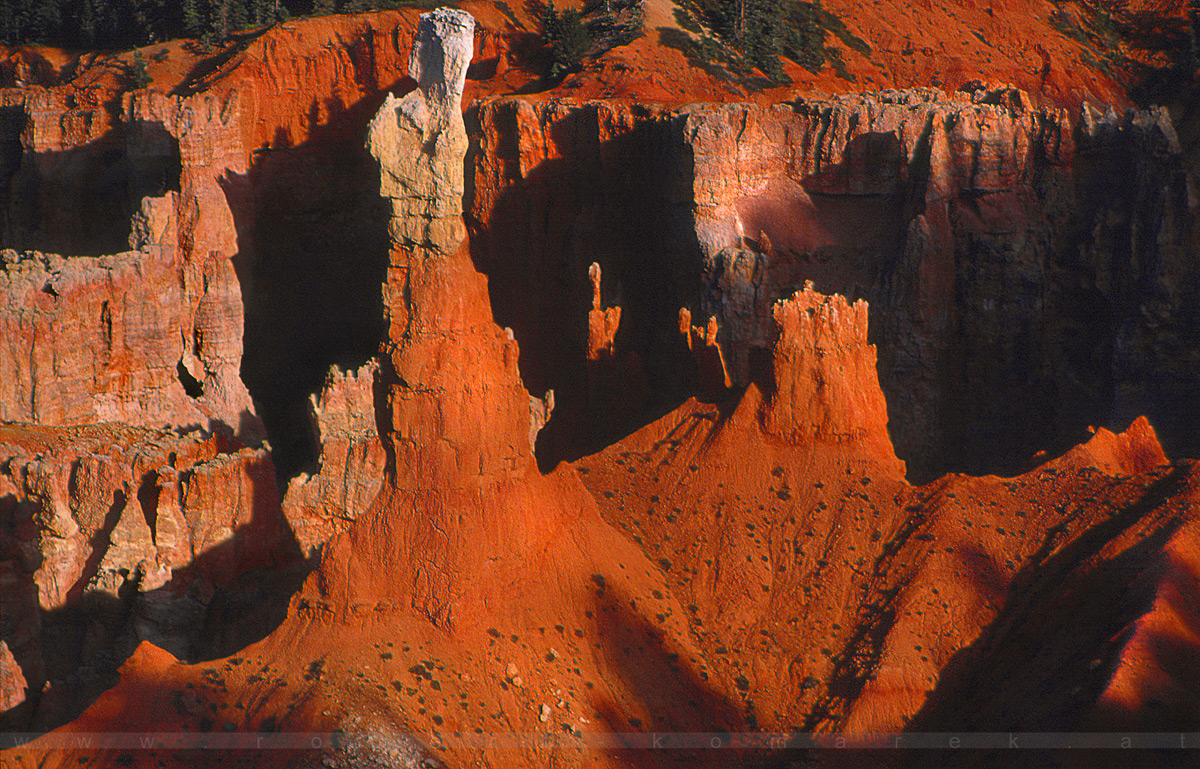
(742, 35)
(574, 36)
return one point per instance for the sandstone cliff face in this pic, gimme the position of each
(260, 193)
(249, 176)
(101, 339)
(80, 184)
(1008, 256)
(1006, 250)
(112, 535)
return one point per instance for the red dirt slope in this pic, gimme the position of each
(758, 566)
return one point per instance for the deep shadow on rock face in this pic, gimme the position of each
(610, 193)
(313, 245)
(228, 596)
(1007, 322)
(81, 201)
(1024, 674)
(665, 690)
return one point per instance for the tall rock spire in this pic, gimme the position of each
(420, 140)
(463, 503)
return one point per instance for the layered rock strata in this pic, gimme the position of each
(1027, 269)
(250, 176)
(215, 174)
(112, 535)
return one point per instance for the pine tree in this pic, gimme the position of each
(87, 24)
(10, 27)
(47, 19)
(568, 38)
(136, 73)
(192, 23)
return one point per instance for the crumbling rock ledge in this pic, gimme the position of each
(353, 462)
(111, 534)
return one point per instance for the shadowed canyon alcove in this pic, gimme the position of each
(312, 251)
(82, 201)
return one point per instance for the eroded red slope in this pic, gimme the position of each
(759, 562)
(756, 566)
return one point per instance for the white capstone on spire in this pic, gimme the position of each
(420, 140)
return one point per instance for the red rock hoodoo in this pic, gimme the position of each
(357, 379)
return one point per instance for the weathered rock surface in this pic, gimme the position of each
(105, 339)
(1005, 248)
(417, 139)
(12, 680)
(761, 563)
(217, 173)
(353, 461)
(711, 370)
(463, 501)
(249, 175)
(85, 184)
(825, 384)
(603, 322)
(112, 535)
(448, 365)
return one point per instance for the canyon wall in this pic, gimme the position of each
(258, 254)
(1029, 273)
(1006, 249)
(1029, 277)
(113, 534)
(252, 179)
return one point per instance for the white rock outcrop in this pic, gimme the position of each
(427, 124)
